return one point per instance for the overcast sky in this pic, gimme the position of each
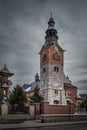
(22, 30)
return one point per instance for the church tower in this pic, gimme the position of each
(52, 76)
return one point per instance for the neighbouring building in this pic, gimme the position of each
(81, 103)
(55, 86)
(29, 88)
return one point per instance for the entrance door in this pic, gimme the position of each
(56, 102)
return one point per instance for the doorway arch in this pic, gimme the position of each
(55, 102)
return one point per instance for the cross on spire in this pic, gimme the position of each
(4, 65)
(51, 14)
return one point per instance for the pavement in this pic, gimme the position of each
(36, 124)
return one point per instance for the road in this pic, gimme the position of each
(63, 127)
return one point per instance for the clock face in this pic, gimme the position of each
(56, 48)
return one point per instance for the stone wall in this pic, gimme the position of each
(61, 118)
(4, 110)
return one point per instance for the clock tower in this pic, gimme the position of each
(52, 76)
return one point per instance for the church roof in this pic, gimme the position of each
(26, 87)
(69, 85)
(5, 71)
(30, 87)
(44, 46)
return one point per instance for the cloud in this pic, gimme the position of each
(22, 32)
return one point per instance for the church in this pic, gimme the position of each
(55, 86)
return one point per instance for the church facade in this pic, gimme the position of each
(55, 86)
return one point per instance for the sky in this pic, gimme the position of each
(22, 30)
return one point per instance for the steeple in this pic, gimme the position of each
(37, 77)
(51, 33)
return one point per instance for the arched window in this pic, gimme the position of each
(44, 57)
(56, 56)
(44, 70)
(69, 101)
(56, 69)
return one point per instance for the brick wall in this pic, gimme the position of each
(49, 51)
(73, 91)
(55, 109)
(45, 108)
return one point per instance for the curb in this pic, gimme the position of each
(45, 125)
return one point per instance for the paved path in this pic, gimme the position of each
(36, 123)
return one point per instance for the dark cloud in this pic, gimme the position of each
(22, 31)
(82, 85)
(84, 81)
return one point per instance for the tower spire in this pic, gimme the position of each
(51, 33)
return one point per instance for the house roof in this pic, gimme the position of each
(30, 87)
(83, 95)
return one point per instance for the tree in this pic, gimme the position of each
(18, 96)
(36, 97)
